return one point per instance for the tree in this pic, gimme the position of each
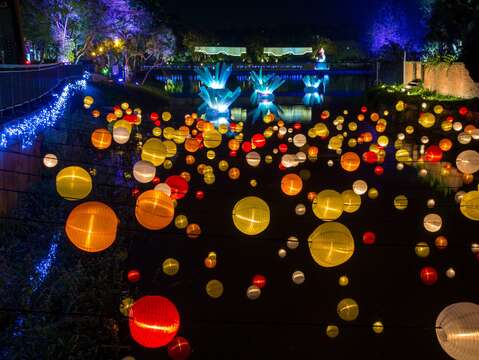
(160, 47)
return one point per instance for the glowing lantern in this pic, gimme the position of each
(166, 116)
(291, 184)
(253, 158)
(170, 266)
(88, 101)
(154, 321)
(299, 140)
(328, 205)
(360, 187)
(378, 327)
(181, 221)
(428, 275)
(298, 277)
(92, 226)
(193, 231)
(350, 161)
(432, 222)
(258, 140)
(214, 289)
(433, 154)
(101, 139)
(332, 331)
(133, 276)
(469, 205)
(154, 210)
(144, 171)
(348, 309)
(445, 144)
(251, 215)
(331, 244)
(422, 249)
(73, 183)
(259, 280)
(343, 280)
(154, 151)
(164, 188)
(351, 201)
(178, 185)
(456, 330)
(427, 120)
(50, 160)
(212, 139)
(468, 161)
(121, 135)
(179, 348)
(253, 292)
(234, 173)
(400, 202)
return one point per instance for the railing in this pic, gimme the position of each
(22, 84)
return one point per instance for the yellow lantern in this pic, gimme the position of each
(181, 221)
(234, 173)
(251, 215)
(470, 205)
(331, 244)
(348, 309)
(214, 289)
(73, 183)
(212, 139)
(171, 266)
(332, 331)
(378, 327)
(351, 201)
(166, 116)
(422, 249)
(223, 165)
(427, 120)
(154, 151)
(328, 205)
(92, 226)
(400, 202)
(343, 280)
(154, 210)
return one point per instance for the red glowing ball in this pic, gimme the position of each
(179, 348)
(233, 153)
(428, 275)
(233, 126)
(178, 185)
(135, 192)
(157, 123)
(258, 140)
(154, 321)
(259, 280)
(281, 167)
(246, 146)
(297, 126)
(433, 154)
(283, 148)
(369, 238)
(156, 180)
(154, 116)
(130, 118)
(364, 109)
(450, 118)
(200, 195)
(370, 157)
(134, 276)
(463, 110)
(379, 170)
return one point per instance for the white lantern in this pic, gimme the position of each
(298, 277)
(289, 160)
(457, 329)
(292, 242)
(282, 253)
(253, 158)
(457, 126)
(50, 160)
(301, 157)
(121, 135)
(360, 187)
(432, 222)
(299, 140)
(468, 161)
(464, 138)
(300, 209)
(144, 171)
(253, 292)
(163, 187)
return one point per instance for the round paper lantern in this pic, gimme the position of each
(351, 201)
(360, 187)
(214, 289)
(92, 226)
(348, 309)
(253, 158)
(427, 120)
(298, 277)
(440, 242)
(469, 205)
(259, 280)
(400, 202)
(450, 273)
(328, 205)
(101, 139)
(422, 249)
(331, 244)
(178, 185)
(456, 330)
(121, 135)
(165, 188)
(193, 231)
(134, 276)
(428, 275)
(468, 161)
(332, 331)
(251, 215)
(253, 292)
(144, 171)
(154, 151)
(343, 280)
(179, 348)
(154, 210)
(299, 140)
(300, 209)
(432, 222)
(350, 161)
(433, 154)
(292, 243)
(50, 160)
(171, 266)
(378, 327)
(73, 183)
(211, 139)
(154, 321)
(258, 140)
(291, 184)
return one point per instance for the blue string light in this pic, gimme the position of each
(44, 266)
(26, 129)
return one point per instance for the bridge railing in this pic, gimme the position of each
(22, 84)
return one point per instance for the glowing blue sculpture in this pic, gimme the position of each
(217, 98)
(315, 88)
(264, 87)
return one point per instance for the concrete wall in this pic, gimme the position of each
(445, 79)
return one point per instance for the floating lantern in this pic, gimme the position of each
(468, 161)
(291, 184)
(427, 120)
(144, 171)
(73, 183)
(428, 275)
(298, 277)
(378, 327)
(171, 266)
(133, 275)
(101, 139)
(253, 158)
(178, 185)
(259, 280)
(50, 160)
(350, 161)
(351, 201)
(164, 188)
(251, 215)
(332, 331)
(92, 226)
(469, 205)
(348, 309)
(432, 222)
(179, 348)
(328, 205)
(360, 187)
(193, 231)
(214, 289)
(292, 242)
(154, 210)
(212, 139)
(400, 202)
(121, 135)
(331, 244)
(154, 151)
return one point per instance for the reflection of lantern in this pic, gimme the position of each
(291, 184)
(154, 151)
(50, 160)
(171, 266)
(101, 139)
(331, 244)
(214, 289)
(456, 330)
(348, 309)
(92, 226)
(328, 205)
(154, 210)
(144, 171)
(73, 183)
(154, 321)
(350, 161)
(251, 215)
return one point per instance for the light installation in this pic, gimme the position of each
(314, 89)
(217, 98)
(26, 129)
(263, 93)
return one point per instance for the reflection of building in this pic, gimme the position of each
(11, 41)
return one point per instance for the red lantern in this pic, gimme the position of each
(379, 170)
(156, 180)
(135, 192)
(370, 157)
(259, 280)
(283, 148)
(281, 166)
(178, 185)
(179, 348)
(134, 276)
(154, 116)
(297, 126)
(258, 140)
(364, 109)
(233, 153)
(157, 123)
(450, 118)
(433, 154)
(369, 238)
(200, 195)
(130, 118)
(428, 275)
(246, 146)
(154, 321)
(463, 110)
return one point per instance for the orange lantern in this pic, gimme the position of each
(192, 145)
(154, 210)
(101, 139)
(445, 144)
(350, 161)
(291, 184)
(234, 173)
(193, 231)
(154, 321)
(91, 226)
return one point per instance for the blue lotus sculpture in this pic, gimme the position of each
(217, 79)
(264, 86)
